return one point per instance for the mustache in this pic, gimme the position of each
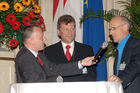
(111, 37)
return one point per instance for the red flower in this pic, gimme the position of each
(15, 25)
(1, 28)
(31, 14)
(13, 43)
(38, 15)
(36, 23)
(11, 18)
(41, 20)
(26, 21)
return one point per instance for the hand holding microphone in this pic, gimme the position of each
(100, 52)
(87, 61)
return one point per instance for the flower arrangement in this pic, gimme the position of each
(14, 16)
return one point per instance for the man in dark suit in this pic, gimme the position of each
(57, 52)
(32, 66)
(127, 59)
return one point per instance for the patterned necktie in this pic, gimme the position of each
(39, 59)
(68, 55)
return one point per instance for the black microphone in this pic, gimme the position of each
(101, 51)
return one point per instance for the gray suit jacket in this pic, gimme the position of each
(28, 69)
(131, 74)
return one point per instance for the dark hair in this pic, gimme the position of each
(27, 32)
(66, 19)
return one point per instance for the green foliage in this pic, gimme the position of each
(132, 8)
(131, 11)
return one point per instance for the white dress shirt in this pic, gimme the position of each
(84, 70)
(71, 48)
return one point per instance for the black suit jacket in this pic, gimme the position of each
(131, 74)
(28, 68)
(55, 53)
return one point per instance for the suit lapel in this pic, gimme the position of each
(61, 51)
(115, 62)
(34, 59)
(44, 60)
(74, 56)
(128, 45)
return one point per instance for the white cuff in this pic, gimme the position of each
(80, 66)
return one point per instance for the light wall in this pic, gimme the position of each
(47, 8)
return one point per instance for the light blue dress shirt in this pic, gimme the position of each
(120, 49)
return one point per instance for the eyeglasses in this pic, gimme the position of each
(66, 29)
(114, 28)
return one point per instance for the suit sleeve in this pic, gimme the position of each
(64, 69)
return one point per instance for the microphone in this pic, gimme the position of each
(101, 51)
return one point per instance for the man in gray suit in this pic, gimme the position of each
(127, 59)
(33, 68)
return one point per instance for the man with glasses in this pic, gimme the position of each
(127, 58)
(67, 50)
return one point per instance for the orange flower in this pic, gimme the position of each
(33, 2)
(26, 2)
(4, 6)
(37, 9)
(18, 7)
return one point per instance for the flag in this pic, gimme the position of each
(94, 35)
(72, 7)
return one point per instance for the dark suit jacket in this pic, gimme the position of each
(55, 53)
(28, 69)
(131, 74)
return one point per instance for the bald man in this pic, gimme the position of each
(127, 58)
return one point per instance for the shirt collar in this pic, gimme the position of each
(33, 52)
(123, 42)
(71, 44)
(71, 49)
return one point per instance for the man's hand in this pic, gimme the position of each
(87, 61)
(114, 78)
